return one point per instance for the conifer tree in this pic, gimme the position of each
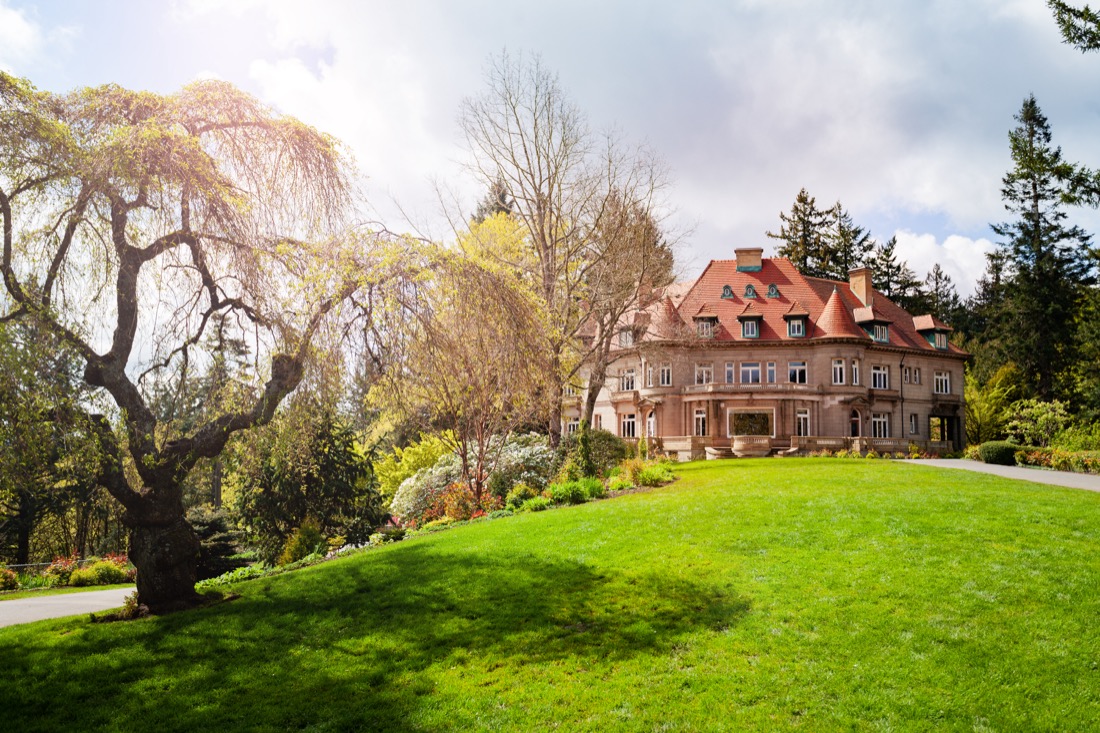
(848, 245)
(1050, 263)
(892, 278)
(803, 233)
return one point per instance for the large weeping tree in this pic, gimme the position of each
(133, 222)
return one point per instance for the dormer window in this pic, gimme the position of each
(727, 292)
(796, 328)
(626, 337)
(882, 333)
(750, 329)
(750, 291)
(705, 328)
(940, 341)
(773, 291)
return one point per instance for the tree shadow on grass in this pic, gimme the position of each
(353, 645)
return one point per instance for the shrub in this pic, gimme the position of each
(1084, 437)
(535, 504)
(569, 492)
(570, 471)
(393, 468)
(218, 542)
(62, 568)
(418, 499)
(973, 452)
(1035, 422)
(520, 493)
(655, 475)
(524, 459)
(593, 487)
(872, 454)
(458, 501)
(498, 513)
(631, 469)
(8, 579)
(998, 452)
(608, 450)
(619, 484)
(304, 541)
(101, 572)
(435, 524)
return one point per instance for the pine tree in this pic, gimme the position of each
(943, 300)
(804, 233)
(895, 279)
(847, 245)
(497, 201)
(1050, 262)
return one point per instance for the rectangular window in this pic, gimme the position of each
(649, 375)
(626, 380)
(704, 373)
(729, 372)
(796, 372)
(651, 424)
(706, 329)
(880, 425)
(882, 333)
(700, 422)
(916, 375)
(750, 423)
(569, 390)
(626, 337)
(941, 341)
(771, 372)
(666, 375)
(572, 425)
(880, 377)
(905, 375)
(629, 427)
(750, 329)
(597, 422)
(914, 424)
(750, 372)
(802, 423)
(942, 383)
(796, 328)
(838, 371)
(855, 372)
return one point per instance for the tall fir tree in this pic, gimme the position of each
(804, 235)
(1050, 263)
(894, 278)
(497, 201)
(941, 296)
(847, 245)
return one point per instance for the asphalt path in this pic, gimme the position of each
(1088, 482)
(25, 610)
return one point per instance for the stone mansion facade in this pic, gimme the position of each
(754, 358)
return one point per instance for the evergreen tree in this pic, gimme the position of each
(497, 201)
(942, 298)
(895, 279)
(1080, 27)
(804, 235)
(1050, 262)
(847, 245)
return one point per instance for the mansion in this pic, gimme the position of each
(754, 358)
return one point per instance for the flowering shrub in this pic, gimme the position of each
(101, 572)
(62, 568)
(1060, 460)
(526, 459)
(8, 579)
(417, 500)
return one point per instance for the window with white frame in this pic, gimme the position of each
(905, 374)
(704, 373)
(802, 423)
(569, 390)
(700, 422)
(771, 372)
(838, 371)
(629, 426)
(796, 372)
(626, 380)
(651, 424)
(941, 341)
(649, 375)
(882, 333)
(914, 424)
(572, 425)
(666, 375)
(855, 372)
(597, 422)
(880, 425)
(880, 377)
(705, 328)
(729, 372)
(750, 329)
(916, 375)
(796, 328)
(626, 337)
(750, 372)
(942, 383)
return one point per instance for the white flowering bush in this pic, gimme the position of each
(524, 459)
(419, 495)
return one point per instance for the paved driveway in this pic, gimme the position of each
(25, 610)
(1085, 481)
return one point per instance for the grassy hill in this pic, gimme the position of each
(751, 595)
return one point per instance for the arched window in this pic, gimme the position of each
(750, 291)
(773, 291)
(727, 291)
(856, 423)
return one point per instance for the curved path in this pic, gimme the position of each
(1086, 481)
(25, 610)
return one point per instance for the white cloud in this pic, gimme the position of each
(962, 258)
(20, 39)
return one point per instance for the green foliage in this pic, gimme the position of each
(655, 474)
(9, 580)
(582, 455)
(103, 572)
(1034, 422)
(608, 450)
(535, 504)
(394, 467)
(568, 492)
(987, 404)
(593, 487)
(525, 459)
(520, 493)
(303, 541)
(419, 498)
(620, 484)
(998, 452)
(219, 543)
(1081, 437)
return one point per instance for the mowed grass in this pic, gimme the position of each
(808, 594)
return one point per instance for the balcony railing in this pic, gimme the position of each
(724, 388)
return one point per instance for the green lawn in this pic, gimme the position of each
(762, 595)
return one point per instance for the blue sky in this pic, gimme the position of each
(900, 110)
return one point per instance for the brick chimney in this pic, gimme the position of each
(859, 279)
(749, 260)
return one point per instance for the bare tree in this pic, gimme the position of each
(562, 179)
(132, 222)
